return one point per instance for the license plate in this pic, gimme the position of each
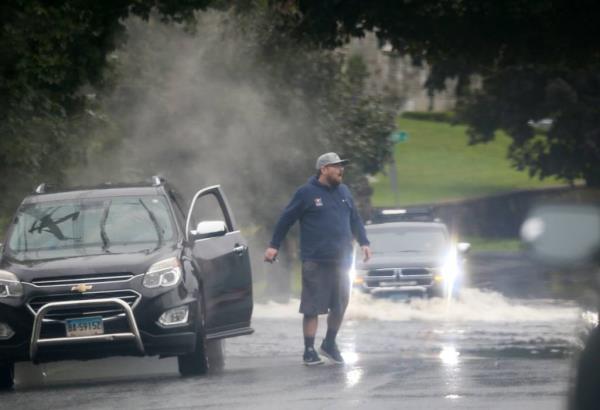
(399, 283)
(85, 326)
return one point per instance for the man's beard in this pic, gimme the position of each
(334, 181)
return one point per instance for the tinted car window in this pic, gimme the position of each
(89, 226)
(430, 240)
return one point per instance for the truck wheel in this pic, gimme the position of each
(7, 376)
(435, 292)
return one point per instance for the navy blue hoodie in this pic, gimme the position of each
(328, 222)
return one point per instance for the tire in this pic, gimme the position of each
(435, 292)
(7, 376)
(196, 362)
(215, 354)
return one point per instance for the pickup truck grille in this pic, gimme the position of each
(382, 272)
(76, 279)
(129, 296)
(415, 271)
(391, 273)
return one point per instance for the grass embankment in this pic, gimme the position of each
(436, 164)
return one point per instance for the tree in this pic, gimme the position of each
(241, 104)
(538, 59)
(236, 103)
(568, 146)
(51, 55)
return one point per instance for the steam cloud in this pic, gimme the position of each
(197, 110)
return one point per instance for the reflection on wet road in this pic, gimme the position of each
(485, 350)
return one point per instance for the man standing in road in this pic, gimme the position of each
(329, 221)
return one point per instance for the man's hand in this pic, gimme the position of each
(271, 254)
(366, 253)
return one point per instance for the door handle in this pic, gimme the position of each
(239, 250)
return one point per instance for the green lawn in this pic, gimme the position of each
(479, 244)
(436, 164)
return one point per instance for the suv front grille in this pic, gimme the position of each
(76, 279)
(111, 310)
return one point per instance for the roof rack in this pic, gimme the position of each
(415, 214)
(157, 180)
(41, 188)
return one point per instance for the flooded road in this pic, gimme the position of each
(485, 350)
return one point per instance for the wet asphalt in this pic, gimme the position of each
(504, 344)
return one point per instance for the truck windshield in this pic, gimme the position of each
(408, 239)
(90, 226)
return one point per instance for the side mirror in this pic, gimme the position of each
(563, 234)
(209, 229)
(463, 247)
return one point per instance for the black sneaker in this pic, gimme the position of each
(311, 357)
(331, 351)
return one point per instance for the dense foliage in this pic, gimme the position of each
(539, 60)
(239, 104)
(51, 55)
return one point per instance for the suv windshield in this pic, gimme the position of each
(90, 226)
(408, 239)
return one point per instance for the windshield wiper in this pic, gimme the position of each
(45, 223)
(103, 235)
(155, 223)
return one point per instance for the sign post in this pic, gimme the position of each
(396, 137)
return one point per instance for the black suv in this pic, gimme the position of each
(122, 270)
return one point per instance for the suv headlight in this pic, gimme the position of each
(164, 273)
(10, 286)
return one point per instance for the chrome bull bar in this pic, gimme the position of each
(109, 337)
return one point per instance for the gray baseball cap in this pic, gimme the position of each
(330, 158)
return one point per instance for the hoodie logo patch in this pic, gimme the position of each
(318, 202)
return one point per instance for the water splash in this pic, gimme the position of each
(473, 305)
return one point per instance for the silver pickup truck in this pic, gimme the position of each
(411, 256)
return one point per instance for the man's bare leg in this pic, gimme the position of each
(309, 328)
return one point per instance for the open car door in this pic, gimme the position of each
(221, 254)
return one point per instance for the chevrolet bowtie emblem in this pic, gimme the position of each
(81, 288)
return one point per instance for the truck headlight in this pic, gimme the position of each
(358, 276)
(164, 274)
(450, 269)
(10, 286)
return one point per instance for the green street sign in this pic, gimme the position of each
(399, 136)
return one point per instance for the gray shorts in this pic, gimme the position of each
(325, 288)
